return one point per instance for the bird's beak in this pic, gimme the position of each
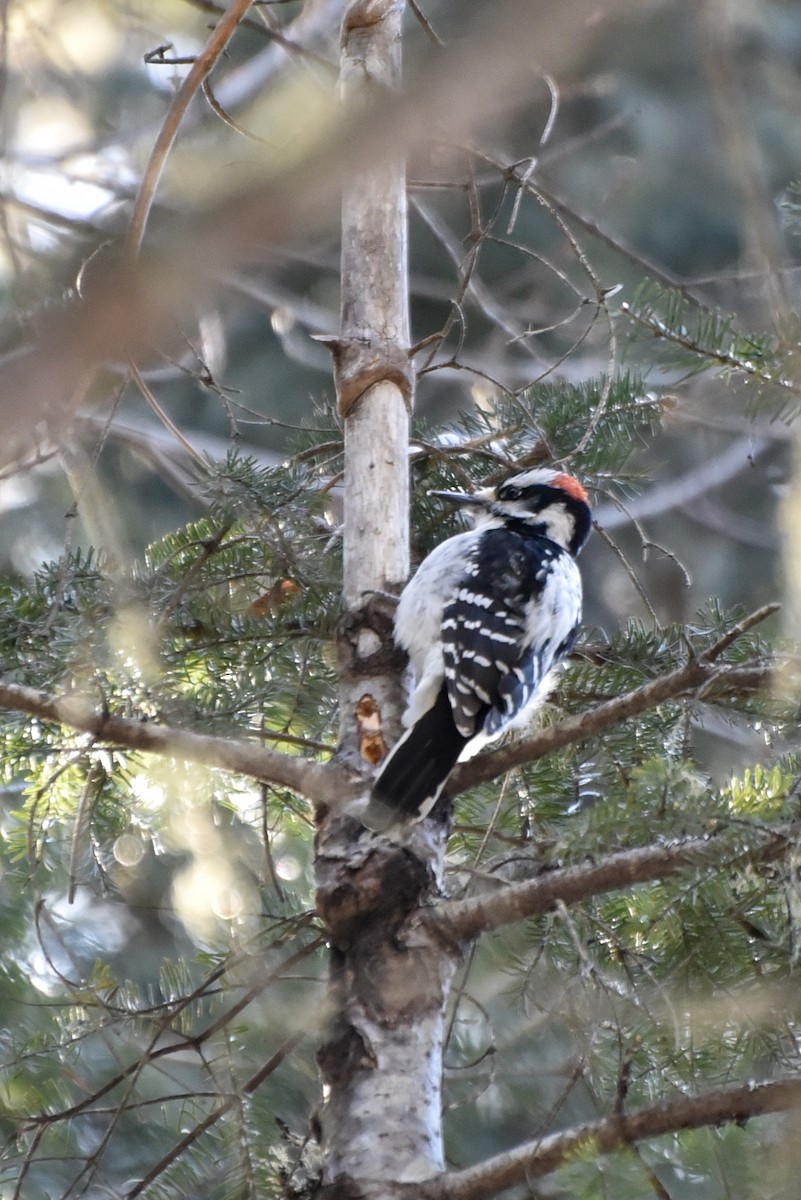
(466, 499)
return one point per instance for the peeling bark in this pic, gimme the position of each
(370, 678)
(381, 1054)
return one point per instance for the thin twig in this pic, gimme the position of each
(166, 420)
(203, 64)
(428, 28)
(211, 1118)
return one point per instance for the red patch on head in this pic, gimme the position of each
(572, 486)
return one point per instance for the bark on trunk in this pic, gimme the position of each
(374, 388)
(380, 1057)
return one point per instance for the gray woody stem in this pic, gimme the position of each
(380, 1054)
(374, 389)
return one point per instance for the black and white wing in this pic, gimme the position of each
(515, 614)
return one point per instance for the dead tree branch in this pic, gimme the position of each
(125, 313)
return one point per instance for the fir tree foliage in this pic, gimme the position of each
(687, 337)
(161, 962)
(227, 625)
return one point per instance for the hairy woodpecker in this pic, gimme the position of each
(487, 615)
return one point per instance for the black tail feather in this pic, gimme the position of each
(413, 775)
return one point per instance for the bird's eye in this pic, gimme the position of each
(509, 492)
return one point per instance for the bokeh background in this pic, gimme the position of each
(662, 141)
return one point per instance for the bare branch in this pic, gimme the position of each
(218, 40)
(124, 314)
(465, 919)
(534, 1159)
(291, 44)
(316, 781)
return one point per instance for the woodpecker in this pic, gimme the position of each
(484, 620)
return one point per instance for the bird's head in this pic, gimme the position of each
(543, 500)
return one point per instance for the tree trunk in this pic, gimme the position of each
(374, 388)
(381, 1054)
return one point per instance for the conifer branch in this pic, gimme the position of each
(699, 673)
(319, 782)
(542, 1155)
(465, 919)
